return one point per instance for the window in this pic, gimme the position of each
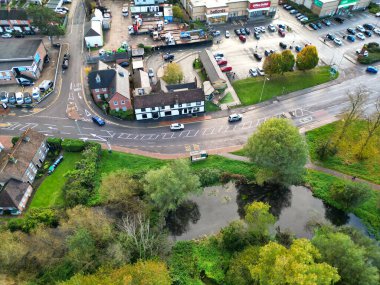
(179, 105)
(144, 116)
(142, 109)
(124, 108)
(122, 102)
(188, 104)
(104, 89)
(105, 95)
(198, 103)
(172, 106)
(115, 103)
(97, 90)
(98, 96)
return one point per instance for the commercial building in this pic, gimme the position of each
(21, 58)
(324, 8)
(222, 11)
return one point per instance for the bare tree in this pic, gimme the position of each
(357, 99)
(372, 124)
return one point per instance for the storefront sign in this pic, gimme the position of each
(347, 2)
(259, 5)
(217, 11)
(318, 3)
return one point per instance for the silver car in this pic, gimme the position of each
(235, 117)
(177, 127)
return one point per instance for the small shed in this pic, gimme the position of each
(208, 90)
(137, 64)
(94, 35)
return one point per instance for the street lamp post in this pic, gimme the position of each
(262, 90)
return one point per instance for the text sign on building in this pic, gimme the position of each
(318, 3)
(217, 11)
(347, 2)
(259, 5)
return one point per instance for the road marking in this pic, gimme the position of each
(71, 85)
(71, 96)
(306, 119)
(260, 121)
(111, 134)
(206, 131)
(187, 147)
(223, 129)
(87, 113)
(149, 137)
(68, 126)
(127, 136)
(167, 136)
(13, 126)
(191, 133)
(88, 128)
(77, 89)
(247, 125)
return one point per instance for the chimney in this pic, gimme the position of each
(97, 78)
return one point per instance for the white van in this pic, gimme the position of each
(17, 29)
(19, 98)
(45, 85)
(36, 93)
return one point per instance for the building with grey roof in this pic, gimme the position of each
(215, 75)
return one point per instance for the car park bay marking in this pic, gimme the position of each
(247, 125)
(14, 126)
(149, 137)
(191, 133)
(208, 131)
(167, 136)
(126, 136)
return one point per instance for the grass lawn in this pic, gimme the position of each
(211, 107)
(227, 99)
(50, 194)
(249, 89)
(345, 160)
(367, 212)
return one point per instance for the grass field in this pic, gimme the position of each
(50, 194)
(345, 160)
(249, 90)
(227, 99)
(211, 107)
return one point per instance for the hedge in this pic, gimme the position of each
(54, 143)
(73, 145)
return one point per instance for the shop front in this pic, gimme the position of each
(345, 6)
(259, 8)
(217, 15)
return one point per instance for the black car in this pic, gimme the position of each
(339, 20)
(65, 64)
(368, 27)
(247, 31)
(124, 64)
(257, 35)
(257, 56)
(330, 36)
(168, 56)
(237, 32)
(66, 56)
(267, 52)
(46, 59)
(313, 26)
(283, 45)
(351, 31)
(26, 83)
(319, 25)
(368, 33)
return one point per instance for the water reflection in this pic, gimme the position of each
(178, 221)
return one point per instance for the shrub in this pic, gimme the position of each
(227, 177)
(349, 194)
(235, 236)
(209, 176)
(124, 115)
(32, 218)
(15, 140)
(73, 145)
(325, 150)
(54, 143)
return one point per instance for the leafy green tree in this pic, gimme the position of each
(297, 265)
(258, 218)
(340, 251)
(273, 64)
(46, 20)
(307, 58)
(170, 185)
(279, 151)
(287, 61)
(235, 236)
(173, 73)
(177, 12)
(350, 195)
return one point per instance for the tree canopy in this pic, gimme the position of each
(307, 58)
(173, 73)
(279, 151)
(177, 12)
(287, 61)
(273, 64)
(46, 20)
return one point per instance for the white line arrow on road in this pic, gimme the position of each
(87, 113)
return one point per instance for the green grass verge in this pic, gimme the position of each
(211, 107)
(368, 212)
(249, 89)
(50, 194)
(227, 99)
(345, 160)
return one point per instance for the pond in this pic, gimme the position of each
(218, 206)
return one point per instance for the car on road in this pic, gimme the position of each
(313, 26)
(377, 14)
(326, 22)
(65, 64)
(235, 117)
(351, 31)
(351, 38)
(99, 121)
(237, 32)
(257, 35)
(271, 28)
(338, 41)
(151, 72)
(339, 20)
(4, 96)
(216, 33)
(330, 36)
(281, 32)
(247, 31)
(253, 72)
(226, 69)
(242, 38)
(222, 62)
(227, 34)
(368, 33)
(368, 27)
(283, 45)
(177, 127)
(360, 28)
(258, 56)
(260, 71)
(360, 36)
(371, 69)
(6, 36)
(168, 56)
(19, 98)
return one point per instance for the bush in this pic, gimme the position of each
(209, 176)
(373, 8)
(124, 115)
(32, 218)
(54, 143)
(325, 150)
(235, 236)
(227, 177)
(15, 140)
(349, 194)
(197, 64)
(73, 145)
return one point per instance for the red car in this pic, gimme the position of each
(221, 62)
(242, 38)
(226, 68)
(281, 32)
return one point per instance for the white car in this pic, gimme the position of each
(150, 72)
(253, 72)
(235, 117)
(360, 36)
(8, 30)
(376, 31)
(272, 28)
(102, 52)
(6, 36)
(260, 71)
(378, 14)
(177, 127)
(227, 34)
(19, 98)
(36, 93)
(359, 51)
(360, 28)
(338, 41)
(106, 15)
(262, 29)
(257, 29)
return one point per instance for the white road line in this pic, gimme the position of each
(206, 131)
(88, 128)
(149, 137)
(167, 136)
(28, 125)
(49, 125)
(247, 125)
(13, 127)
(64, 133)
(69, 127)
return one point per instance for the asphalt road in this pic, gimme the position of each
(310, 109)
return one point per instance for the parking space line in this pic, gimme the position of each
(190, 133)
(149, 137)
(28, 125)
(247, 125)
(167, 136)
(206, 131)
(260, 121)
(126, 136)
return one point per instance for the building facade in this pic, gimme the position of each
(222, 11)
(324, 8)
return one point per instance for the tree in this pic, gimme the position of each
(279, 151)
(350, 195)
(357, 99)
(273, 64)
(258, 218)
(173, 73)
(341, 252)
(170, 185)
(307, 58)
(287, 61)
(372, 124)
(235, 236)
(297, 265)
(177, 12)
(13, 251)
(46, 20)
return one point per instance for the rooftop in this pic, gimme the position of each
(106, 78)
(9, 64)
(13, 14)
(212, 69)
(122, 82)
(12, 193)
(18, 49)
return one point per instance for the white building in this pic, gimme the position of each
(94, 36)
(170, 100)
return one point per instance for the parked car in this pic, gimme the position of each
(99, 121)
(260, 71)
(242, 31)
(6, 36)
(371, 69)
(242, 38)
(281, 26)
(360, 36)
(4, 96)
(351, 31)
(360, 28)
(338, 41)
(247, 31)
(8, 30)
(258, 56)
(226, 69)
(256, 35)
(267, 52)
(339, 20)
(222, 62)
(216, 33)
(177, 127)
(326, 22)
(319, 25)
(257, 29)
(25, 82)
(297, 48)
(288, 8)
(45, 85)
(330, 36)
(283, 45)
(262, 29)
(281, 32)
(124, 64)
(237, 32)
(227, 34)
(297, 15)
(253, 72)
(218, 54)
(313, 26)
(376, 31)
(65, 64)
(168, 56)
(19, 98)
(377, 14)
(36, 93)
(4, 105)
(11, 98)
(18, 35)
(362, 52)
(368, 33)
(304, 19)
(27, 98)
(56, 45)
(368, 27)
(351, 38)
(150, 72)
(271, 28)
(66, 56)
(235, 117)
(294, 11)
